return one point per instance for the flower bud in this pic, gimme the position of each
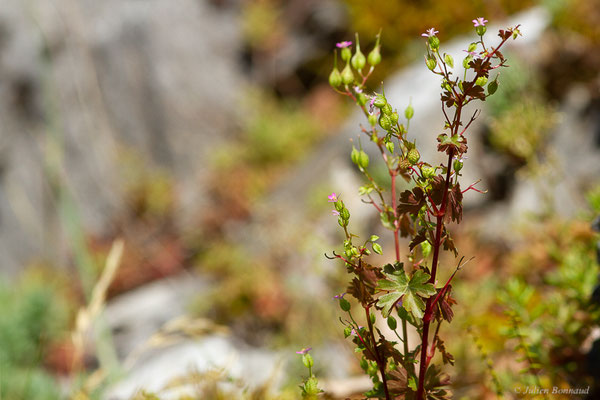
(387, 109)
(409, 112)
(380, 101)
(374, 56)
(481, 81)
(431, 63)
(413, 156)
(449, 60)
(394, 117)
(372, 119)
(480, 30)
(347, 75)
(335, 78)
(346, 53)
(472, 47)
(358, 59)
(339, 205)
(363, 160)
(385, 122)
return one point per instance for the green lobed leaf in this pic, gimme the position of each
(410, 290)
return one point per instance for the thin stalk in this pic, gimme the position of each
(380, 362)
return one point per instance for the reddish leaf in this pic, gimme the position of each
(411, 202)
(455, 197)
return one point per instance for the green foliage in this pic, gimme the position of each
(277, 132)
(552, 318)
(410, 290)
(33, 315)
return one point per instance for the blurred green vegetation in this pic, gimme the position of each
(34, 317)
(530, 308)
(521, 117)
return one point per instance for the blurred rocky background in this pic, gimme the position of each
(204, 135)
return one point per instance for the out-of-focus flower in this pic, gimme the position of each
(332, 198)
(304, 350)
(479, 22)
(335, 212)
(341, 45)
(430, 32)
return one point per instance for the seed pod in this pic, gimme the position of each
(387, 109)
(449, 60)
(372, 118)
(390, 146)
(307, 360)
(335, 78)
(358, 59)
(458, 164)
(385, 122)
(428, 172)
(347, 75)
(361, 99)
(346, 53)
(345, 214)
(344, 304)
(409, 112)
(363, 160)
(391, 321)
(354, 155)
(380, 101)
(431, 63)
(481, 81)
(434, 42)
(492, 87)
(374, 56)
(404, 165)
(394, 118)
(413, 156)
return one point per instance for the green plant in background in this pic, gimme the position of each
(34, 315)
(552, 319)
(409, 288)
(521, 119)
(310, 386)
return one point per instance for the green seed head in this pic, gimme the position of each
(413, 156)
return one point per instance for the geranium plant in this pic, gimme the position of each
(407, 289)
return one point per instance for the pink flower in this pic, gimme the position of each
(479, 22)
(430, 32)
(353, 331)
(473, 54)
(341, 45)
(304, 350)
(332, 198)
(335, 212)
